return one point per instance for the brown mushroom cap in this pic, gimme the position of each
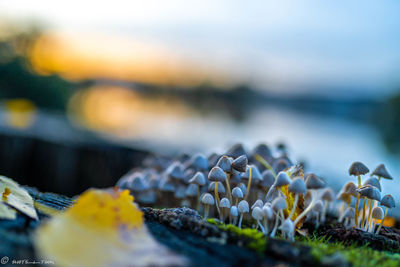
(381, 171)
(377, 213)
(358, 168)
(314, 182)
(328, 195)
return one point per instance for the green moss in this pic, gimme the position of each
(358, 256)
(257, 239)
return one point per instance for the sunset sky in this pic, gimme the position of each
(274, 45)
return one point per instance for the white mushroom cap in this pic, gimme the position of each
(199, 162)
(198, 179)
(327, 194)
(268, 212)
(287, 226)
(377, 213)
(268, 179)
(298, 186)
(279, 203)
(225, 203)
(257, 203)
(373, 181)
(176, 171)
(243, 187)
(257, 213)
(217, 175)
(207, 199)
(388, 201)
(318, 206)
(234, 211)
(237, 192)
(349, 213)
(191, 190)
(221, 188)
(282, 179)
(243, 206)
(225, 163)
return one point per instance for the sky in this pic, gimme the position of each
(275, 45)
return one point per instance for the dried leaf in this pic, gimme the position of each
(102, 229)
(17, 197)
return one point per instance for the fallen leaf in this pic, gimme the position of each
(103, 228)
(16, 197)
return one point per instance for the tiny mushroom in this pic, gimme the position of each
(278, 205)
(318, 208)
(287, 228)
(225, 206)
(234, 214)
(258, 203)
(198, 179)
(388, 202)
(225, 163)
(373, 194)
(216, 174)
(297, 187)
(327, 196)
(237, 193)
(358, 169)
(382, 172)
(243, 207)
(252, 173)
(348, 214)
(258, 215)
(377, 214)
(207, 201)
(268, 216)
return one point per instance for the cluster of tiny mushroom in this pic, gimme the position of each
(224, 186)
(366, 216)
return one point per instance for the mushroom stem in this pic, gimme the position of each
(240, 220)
(369, 215)
(248, 185)
(346, 222)
(380, 225)
(363, 216)
(317, 221)
(275, 226)
(265, 163)
(217, 198)
(262, 228)
(198, 198)
(307, 210)
(266, 225)
(357, 202)
(323, 215)
(207, 208)
(296, 199)
(237, 200)
(227, 181)
(363, 221)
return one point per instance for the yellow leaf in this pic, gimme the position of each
(103, 228)
(17, 197)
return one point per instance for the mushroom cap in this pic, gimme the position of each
(370, 192)
(236, 177)
(314, 182)
(280, 164)
(199, 162)
(318, 206)
(388, 201)
(180, 192)
(166, 185)
(236, 151)
(257, 203)
(272, 193)
(234, 211)
(225, 203)
(138, 184)
(243, 187)
(225, 163)
(217, 175)
(358, 168)
(268, 179)
(221, 188)
(176, 171)
(279, 203)
(327, 194)
(213, 159)
(287, 226)
(377, 213)
(240, 163)
(345, 197)
(237, 192)
(243, 206)
(349, 213)
(297, 186)
(191, 190)
(373, 181)
(255, 174)
(350, 188)
(207, 199)
(381, 171)
(257, 213)
(268, 212)
(282, 179)
(263, 150)
(198, 179)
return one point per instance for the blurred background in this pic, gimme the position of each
(89, 88)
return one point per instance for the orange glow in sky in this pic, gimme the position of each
(78, 56)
